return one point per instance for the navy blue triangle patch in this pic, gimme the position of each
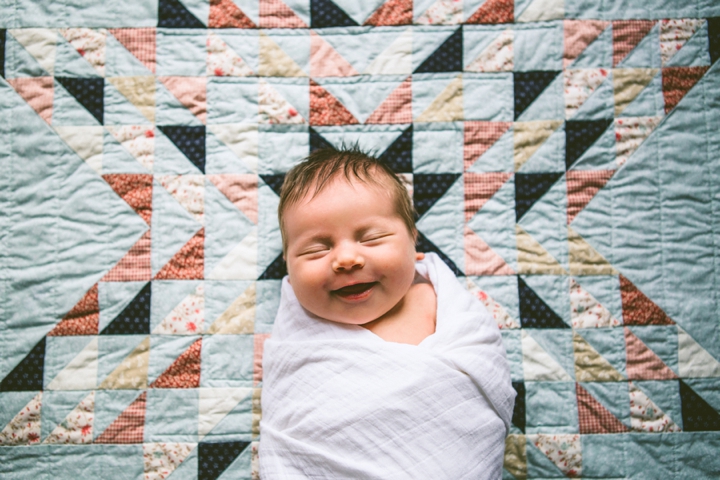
(424, 245)
(447, 58)
(529, 187)
(518, 417)
(399, 154)
(189, 140)
(528, 86)
(324, 13)
(580, 135)
(429, 187)
(697, 414)
(276, 270)
(28, 374)
(274, 181)
(2, 52)
(88, 91)
(714, 38)
(317, 141)
(215, 458)
(135, 318)
(173, 14)
(534, 312)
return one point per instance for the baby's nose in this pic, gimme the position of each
(347, 258)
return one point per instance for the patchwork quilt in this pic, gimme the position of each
(563, 158)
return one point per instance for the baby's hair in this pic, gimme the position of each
(322, 165)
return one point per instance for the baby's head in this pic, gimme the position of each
(348, 233)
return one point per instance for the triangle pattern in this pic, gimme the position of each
(580, 135)
(584, 259)
(24, 428)
(627, 34)
(38, 92)
(135, 318)
(184, 372)
(714, 38)
(216, 457)
(222, 61)
(643, 363)
(214, 405)
(528, 86)
(129, 426)
(187, 317)
(139, 140)
(590, 366)
(593, 417)
(38, 44)
(539, 365)
(82, 319)
(81, 372)
(480, 259)
(492, 12)
(674, 34)
(140, 42)
(136, 265)
(628, 83)
(275, 181)
(399, 154)
(28, 374)
(518, 416)
(677, 81)
(317, 142)
(396, 108)
(515, 458)
(447, 58)
(326, 110)
(578, 35)
(191, 91)
(135, 189)
(225, 14)
(534, 312)
(586, 311)
(239, 317)
(173, 14)
(240, 263)
(273, 62)
(160, 460)
(392, 12)
(533, 258)
(582, 186)
(77, 427)
(139, 91)
(570, 462)
(697, 414)
(241, 190)
(325, 61)
(638, 309)
(190, 140)
(132, 372)
(529, 188)
(89, 44)
(501, 316)
(448, 106)
(528, 137)
(276, 270)
(395, 58)
(498, 56)
(274, 108)
(441, 12)
(423, 244)
(276, 14)
(479, 188)
(188, 263)
(325, 13)
(630, 133)
(645, 415)
(479, 137)
(694, 361)
(429, 187)
(89, 92)
(86, 141)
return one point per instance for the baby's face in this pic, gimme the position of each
(349, 255)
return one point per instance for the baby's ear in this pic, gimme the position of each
(419, 256)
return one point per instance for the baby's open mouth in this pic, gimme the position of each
(354, 290)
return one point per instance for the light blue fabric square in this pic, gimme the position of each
(219, 295)
(488, 96)
(662, 340)
(513, 350)
(112, 350)
(225, 227)
(236, 425)
(232, 100)
(495, 223)
(171, 415)
(528, 56)
(497, 158)
(56, 405)
(609, 343)
(651, 455)
(59, 351)
(181, 52)
(598, 53)
(109, 404)
(166, 295)
(281, 147)
(227, 361)
(558, 344)
(267, 304)
(604, 455)
(438, 147)
(551, 407)
(164, 350)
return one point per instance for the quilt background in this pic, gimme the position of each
(564, 160)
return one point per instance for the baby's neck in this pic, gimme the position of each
(411, 320)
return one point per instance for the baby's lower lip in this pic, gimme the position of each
(355, 292)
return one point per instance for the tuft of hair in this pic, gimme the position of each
(314, 172)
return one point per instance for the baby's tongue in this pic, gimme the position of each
(353, 289)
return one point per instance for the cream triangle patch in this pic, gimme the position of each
(533, 259)
(239, 317)
(40, 43)
(24, 428)
(274, 62)
(538, 365)
(584, 259)
(693, 360)
(132, 373)
(81, 373)
(87, 142)
(590, 366)
(528, 137)
(448, 106)
(140, 91)
(214, 405)
(77, 427)
(396, 59)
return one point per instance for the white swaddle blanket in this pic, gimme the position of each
(340, 402)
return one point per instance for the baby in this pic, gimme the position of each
(380, 364)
